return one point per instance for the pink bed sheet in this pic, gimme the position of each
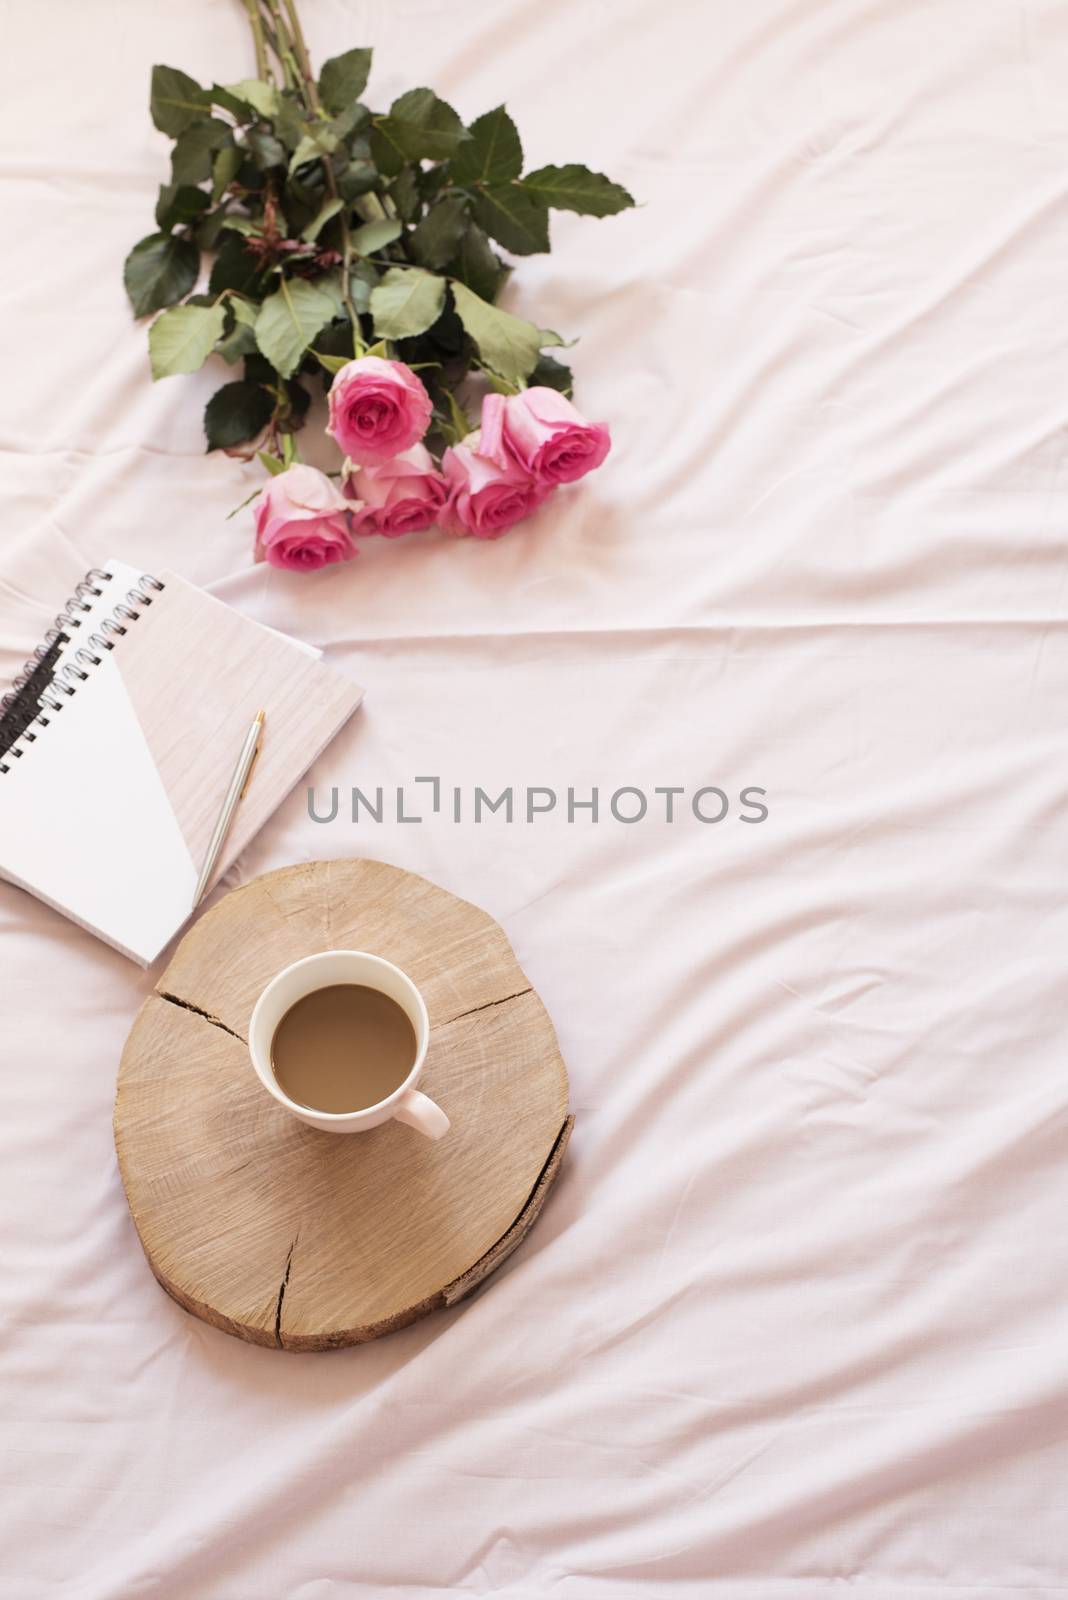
(794, 1321)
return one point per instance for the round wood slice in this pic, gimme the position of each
(304, 1240)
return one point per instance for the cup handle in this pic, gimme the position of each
(419, 1111)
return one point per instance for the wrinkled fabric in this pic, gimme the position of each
(793, 1321)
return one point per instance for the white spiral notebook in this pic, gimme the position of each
(118, 741)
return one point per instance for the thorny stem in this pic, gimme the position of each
(300, 50)
(346, 283)
(272, 39)
(282, 47)
(292, 52)
(263, 69)
(346, 251)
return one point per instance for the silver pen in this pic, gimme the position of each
(234, 794)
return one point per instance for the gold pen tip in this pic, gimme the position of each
(261, 716)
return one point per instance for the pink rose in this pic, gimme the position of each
(486, 497)
(302, 521)
(398, 496)
(544, 433)
(377, 409)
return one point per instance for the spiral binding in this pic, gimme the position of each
(38, 684)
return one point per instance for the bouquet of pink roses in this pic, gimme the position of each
(354, 249)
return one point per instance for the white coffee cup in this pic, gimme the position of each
(406, 1103)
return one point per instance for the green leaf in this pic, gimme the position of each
(387, 158)
(328, 209)
(350, 121)
(244, 311)
(178, 203)
(313, 147)
(430, 181)
(433, 242)
(181, 340)
(234, 268)
(224, 169)
(175, 100)
(299, 401)
(459, 423)
(289, 123)
(265, 150)
(576, 188)
(366, 270)
(192, 155)
(343, 79)
(258, 369)
(159, 270)
(405, 193)
(552, 374)
(358, 178)
(493, 154)
(477, 265)
(362, 279)
(406, 302)
(241, 339)
(288, 321)
(506, 344)
(304, 193)
(513, 217)
(429, 123)
(331, 287)
(332, 364)
(421, 127)
(207, 230)
(272, 463)
(251, 178)
(498, 385)
(262, 97)
(336, 342)
(237, 413)
(376, 235)
(226, 100)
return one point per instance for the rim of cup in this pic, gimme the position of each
(267, 1077)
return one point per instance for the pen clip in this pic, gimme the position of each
(252, 766)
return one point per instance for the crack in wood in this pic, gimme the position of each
(487, 1005)
(282, 1294)
(514, 1235)
(198, 1011)
(217, 1022)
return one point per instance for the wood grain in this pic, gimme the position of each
(195, 715)
(286, 1236)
